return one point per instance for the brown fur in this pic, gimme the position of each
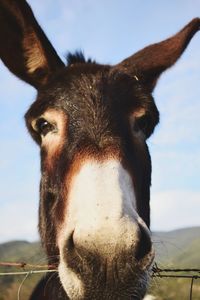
(107, 112)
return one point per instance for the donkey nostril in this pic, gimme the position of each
(70, 242)
(144, 243)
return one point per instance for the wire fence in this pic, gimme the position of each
(156, 272)
(187, 273)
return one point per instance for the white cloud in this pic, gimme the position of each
(175, 209)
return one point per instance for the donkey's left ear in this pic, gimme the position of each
(148, 64)
(24, 47)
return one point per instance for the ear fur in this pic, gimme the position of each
(148, 64)
(24, 48)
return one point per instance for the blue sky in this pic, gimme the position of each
(109, 31)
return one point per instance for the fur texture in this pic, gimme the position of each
(90, 120)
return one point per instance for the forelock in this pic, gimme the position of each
(78, 58)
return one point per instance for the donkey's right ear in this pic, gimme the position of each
(24, 48)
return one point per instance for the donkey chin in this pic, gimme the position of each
(104, 255)
(124, 280)
(114, 274)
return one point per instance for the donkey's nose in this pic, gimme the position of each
(133, 241)
(144, 245)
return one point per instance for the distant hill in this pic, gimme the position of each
(19, 251)
(178, 248)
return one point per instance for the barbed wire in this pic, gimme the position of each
(156, 272)
(24, 265)
(27, 273)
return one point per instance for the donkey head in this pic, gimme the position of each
(91, 122)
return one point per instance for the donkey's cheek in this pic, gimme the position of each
(53, 147)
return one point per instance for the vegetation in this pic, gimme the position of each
(176, 249)
(19, 251)
(179, 248)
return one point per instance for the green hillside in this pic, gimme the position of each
(19, 251)
(178, 248)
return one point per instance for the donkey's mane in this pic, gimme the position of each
(77, 57)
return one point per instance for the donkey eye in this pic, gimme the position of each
(43, 127)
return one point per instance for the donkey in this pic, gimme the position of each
(91, 122)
